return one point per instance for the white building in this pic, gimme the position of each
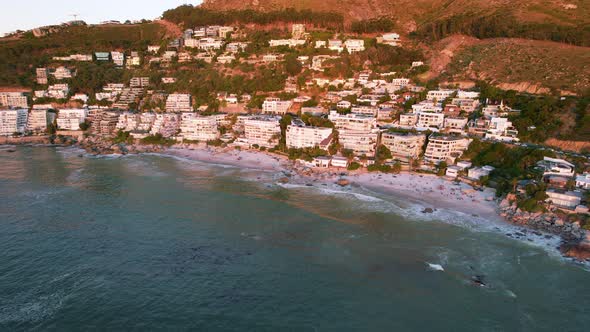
(361, 143)
(62, 72)
(353, 122)
(477, 173)
(263, 131)
(408, 120)
(178, 102)
(445, 148)
(336, 45)
(501, 129)
(439, 95)
(39, 119)
(453, 171)
(354, 45)
(299, 137)
(276, 106)
(455, 125)
(427, 120)
(70, 119)
(14, 99)
(583, 181)
(42, 74)
(391, 39)
(199, 128)
(554, 166)
(286, 42)
(298, 31)
(13, 121)
(564, 199)
(118, 58)
(403, 145)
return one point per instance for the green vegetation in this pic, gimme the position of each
(123, 137)
(500, 24)
(539, 116)
(382, 24)
(306, 154)
(511, 163)
(194, 16)
(158, 139)
(316, 121)
(353, 166)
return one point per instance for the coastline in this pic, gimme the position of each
(429, 191)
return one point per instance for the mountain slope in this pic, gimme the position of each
(562, 12)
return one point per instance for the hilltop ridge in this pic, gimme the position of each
(560, 12)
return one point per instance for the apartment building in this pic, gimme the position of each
(301, 136)
(408, 120)
(403, 145)
(178, 102)
(263, 131)
(70, 119)
(455, 125)
(439, 95)
(199, 128)
(14, 99)
(13, 121)
(361, 143)
(42, 74)
(167, 125)
(430, 120)
(39, 119)
(445, 148)
(353, 122)
(466, 104)
(276, 106)
(139, 82)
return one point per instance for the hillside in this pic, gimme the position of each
(19, 57)
(513, 64)
(414, 13)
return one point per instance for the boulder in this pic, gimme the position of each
(343, 182)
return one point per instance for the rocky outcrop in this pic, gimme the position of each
(102, 146)
(575, 240)
(547, 222)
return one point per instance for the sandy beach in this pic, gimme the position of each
(428, 190)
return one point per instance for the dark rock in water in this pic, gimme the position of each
(475, 215)
(478, 280)
(10, 150)
(548, 236)
(343, 182)
(519, 234)
(80, 156)
(309, 184)
(428, 210)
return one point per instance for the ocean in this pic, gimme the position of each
(151, 242)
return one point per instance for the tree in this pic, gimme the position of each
(442, 168)
(292, 65)
(383, 153)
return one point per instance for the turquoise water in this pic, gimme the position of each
(156, 243)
